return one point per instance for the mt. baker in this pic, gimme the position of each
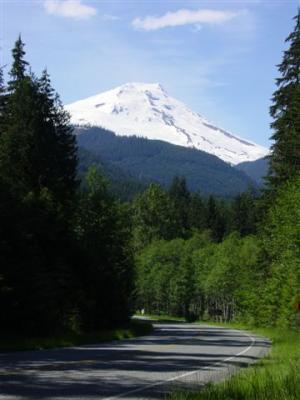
(146, 110)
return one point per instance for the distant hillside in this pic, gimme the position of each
(121, 184)
(154, 160)
(256, 170)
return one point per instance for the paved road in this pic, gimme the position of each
(174, 357)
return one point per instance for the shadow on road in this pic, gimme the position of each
(107, 370)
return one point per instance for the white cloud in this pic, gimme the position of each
(183, 17)
(69, 9)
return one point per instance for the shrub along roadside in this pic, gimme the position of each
(160, 317)
(274, 377)
(133, 329)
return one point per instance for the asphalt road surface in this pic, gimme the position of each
(176, 356)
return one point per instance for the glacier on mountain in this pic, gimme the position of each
(146, 110)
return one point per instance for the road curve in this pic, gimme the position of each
(175, 356)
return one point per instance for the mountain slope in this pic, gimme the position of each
(154, 160)
(121, 184)
(256, 170)
(146, 110)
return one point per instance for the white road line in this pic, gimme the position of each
(142, 388)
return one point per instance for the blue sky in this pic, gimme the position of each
(218, 57)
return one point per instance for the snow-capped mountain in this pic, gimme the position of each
(147, 110)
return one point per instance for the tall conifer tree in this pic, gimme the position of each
(180, 196)
(215, 219)
(37, 169)
(59, 140)
(197, 212)
(244, 213)
(285, 157)
(38, 148)
(19, 66)
(107, 273)
(2, 99)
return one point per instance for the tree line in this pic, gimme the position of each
(160, 213)
(253, 278)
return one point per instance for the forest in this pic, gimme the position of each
(75, 258)
(156, 161)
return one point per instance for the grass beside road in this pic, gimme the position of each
(134, 328)
(161, 317)
(275, 377)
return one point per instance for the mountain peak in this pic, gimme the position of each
(146, 109)
(143, 86)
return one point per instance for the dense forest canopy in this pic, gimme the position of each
(157, 161)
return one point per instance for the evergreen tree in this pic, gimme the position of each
(179, 191)
(37, 172)
(58, 140)
(3, 99)
(197, 212)
(17, 139)
(37, 149)
(19, 66)
(103, 234)
(244, 214)
(1, 80)
(18, 124)
(180, 196)
(153, 216)
(215, 219)
(285, 157)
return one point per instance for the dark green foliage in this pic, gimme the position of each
(1, 81)
(197, 212)
(106, 276)
(3, 98)
(19, 66)
(157, 161)
(17, 127)
(61, 150)
(285, 156)
(180, 199)
(216, 219)
(37, 263)
(244, 214)
(153, 216)
(37, 147)
(65, 263)
(121, 184)
(37, 175)
(177, 213)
